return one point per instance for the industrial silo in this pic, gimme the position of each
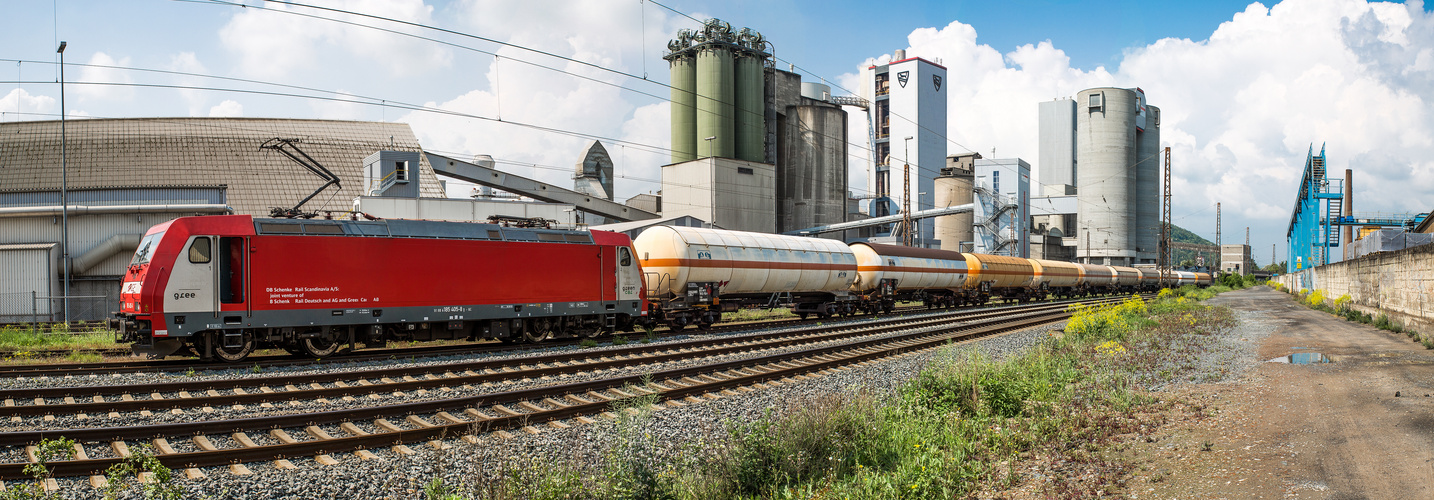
(716, 101)
(953, 190)
(750, 123)
(811, 179)
(684, 107)
(1147, 187)
(1105, 174)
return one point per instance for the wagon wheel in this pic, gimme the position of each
(237, 353)
(320, 348)
(537, 330)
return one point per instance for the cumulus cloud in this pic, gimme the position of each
(226, 109)
(1241, 108)
(271, 45)
(96, 74)
(591, 106)
(195, 101)
(25, 106)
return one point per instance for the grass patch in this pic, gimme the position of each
(954, 431)
(756, 314)
(14, 338)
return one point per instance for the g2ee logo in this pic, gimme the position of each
(183, 295)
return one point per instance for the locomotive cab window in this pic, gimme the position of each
(199, 251)
(624, 257)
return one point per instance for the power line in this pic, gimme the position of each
(932, 170)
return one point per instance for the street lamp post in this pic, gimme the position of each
(64, 189)
(709, 145)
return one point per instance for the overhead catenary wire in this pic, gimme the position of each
(928, 169)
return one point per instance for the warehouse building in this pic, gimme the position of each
(125, 175)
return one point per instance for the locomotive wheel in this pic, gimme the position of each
(320, 348)
(234, 354)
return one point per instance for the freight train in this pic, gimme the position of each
(223, 286)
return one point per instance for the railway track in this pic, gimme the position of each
(18, 402)
(188, 364)
(322, 434)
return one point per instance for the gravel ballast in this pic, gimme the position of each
(582, 446)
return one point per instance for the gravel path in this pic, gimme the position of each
(1224, 356)
(396, 476)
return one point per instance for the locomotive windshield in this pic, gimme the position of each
(146, 249)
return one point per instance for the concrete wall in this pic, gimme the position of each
(731, 194)
(1395, 283)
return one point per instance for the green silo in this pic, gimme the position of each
(716, 103)
(751, 125)
(684, 108)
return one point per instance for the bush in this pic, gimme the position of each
(1108, 322)
(1315, 299)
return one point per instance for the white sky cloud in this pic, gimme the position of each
(228, 108)
(1240, 109)
(519, 92)
(94, 74)
(272, 45)
(21, 102)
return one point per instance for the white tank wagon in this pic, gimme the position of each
(1096, 278)
(1126, 278)
(887, 273)
(695, 274)
(1058, 278)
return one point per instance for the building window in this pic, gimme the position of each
(400, 170)
(1095, 101)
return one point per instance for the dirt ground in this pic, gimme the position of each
(1359, 427)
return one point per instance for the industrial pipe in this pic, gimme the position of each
(6, 212)
(116, 244)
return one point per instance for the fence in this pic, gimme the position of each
(35, 307)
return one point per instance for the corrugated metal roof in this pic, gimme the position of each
(168, 152)
(28, 246)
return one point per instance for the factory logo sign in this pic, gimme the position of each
(936, 79)
(902, 77)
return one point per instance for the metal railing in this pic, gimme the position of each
(35, 308)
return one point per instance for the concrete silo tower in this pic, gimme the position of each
(1106, 175)
(718, 90)
(1147, 184)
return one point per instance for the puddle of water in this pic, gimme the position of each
(1303, 358)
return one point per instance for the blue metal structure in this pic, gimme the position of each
(1314, 224)
(1406, 222)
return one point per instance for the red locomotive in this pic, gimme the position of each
(226, 285)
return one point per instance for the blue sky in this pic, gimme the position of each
(1245, 88)
(1091, 33)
